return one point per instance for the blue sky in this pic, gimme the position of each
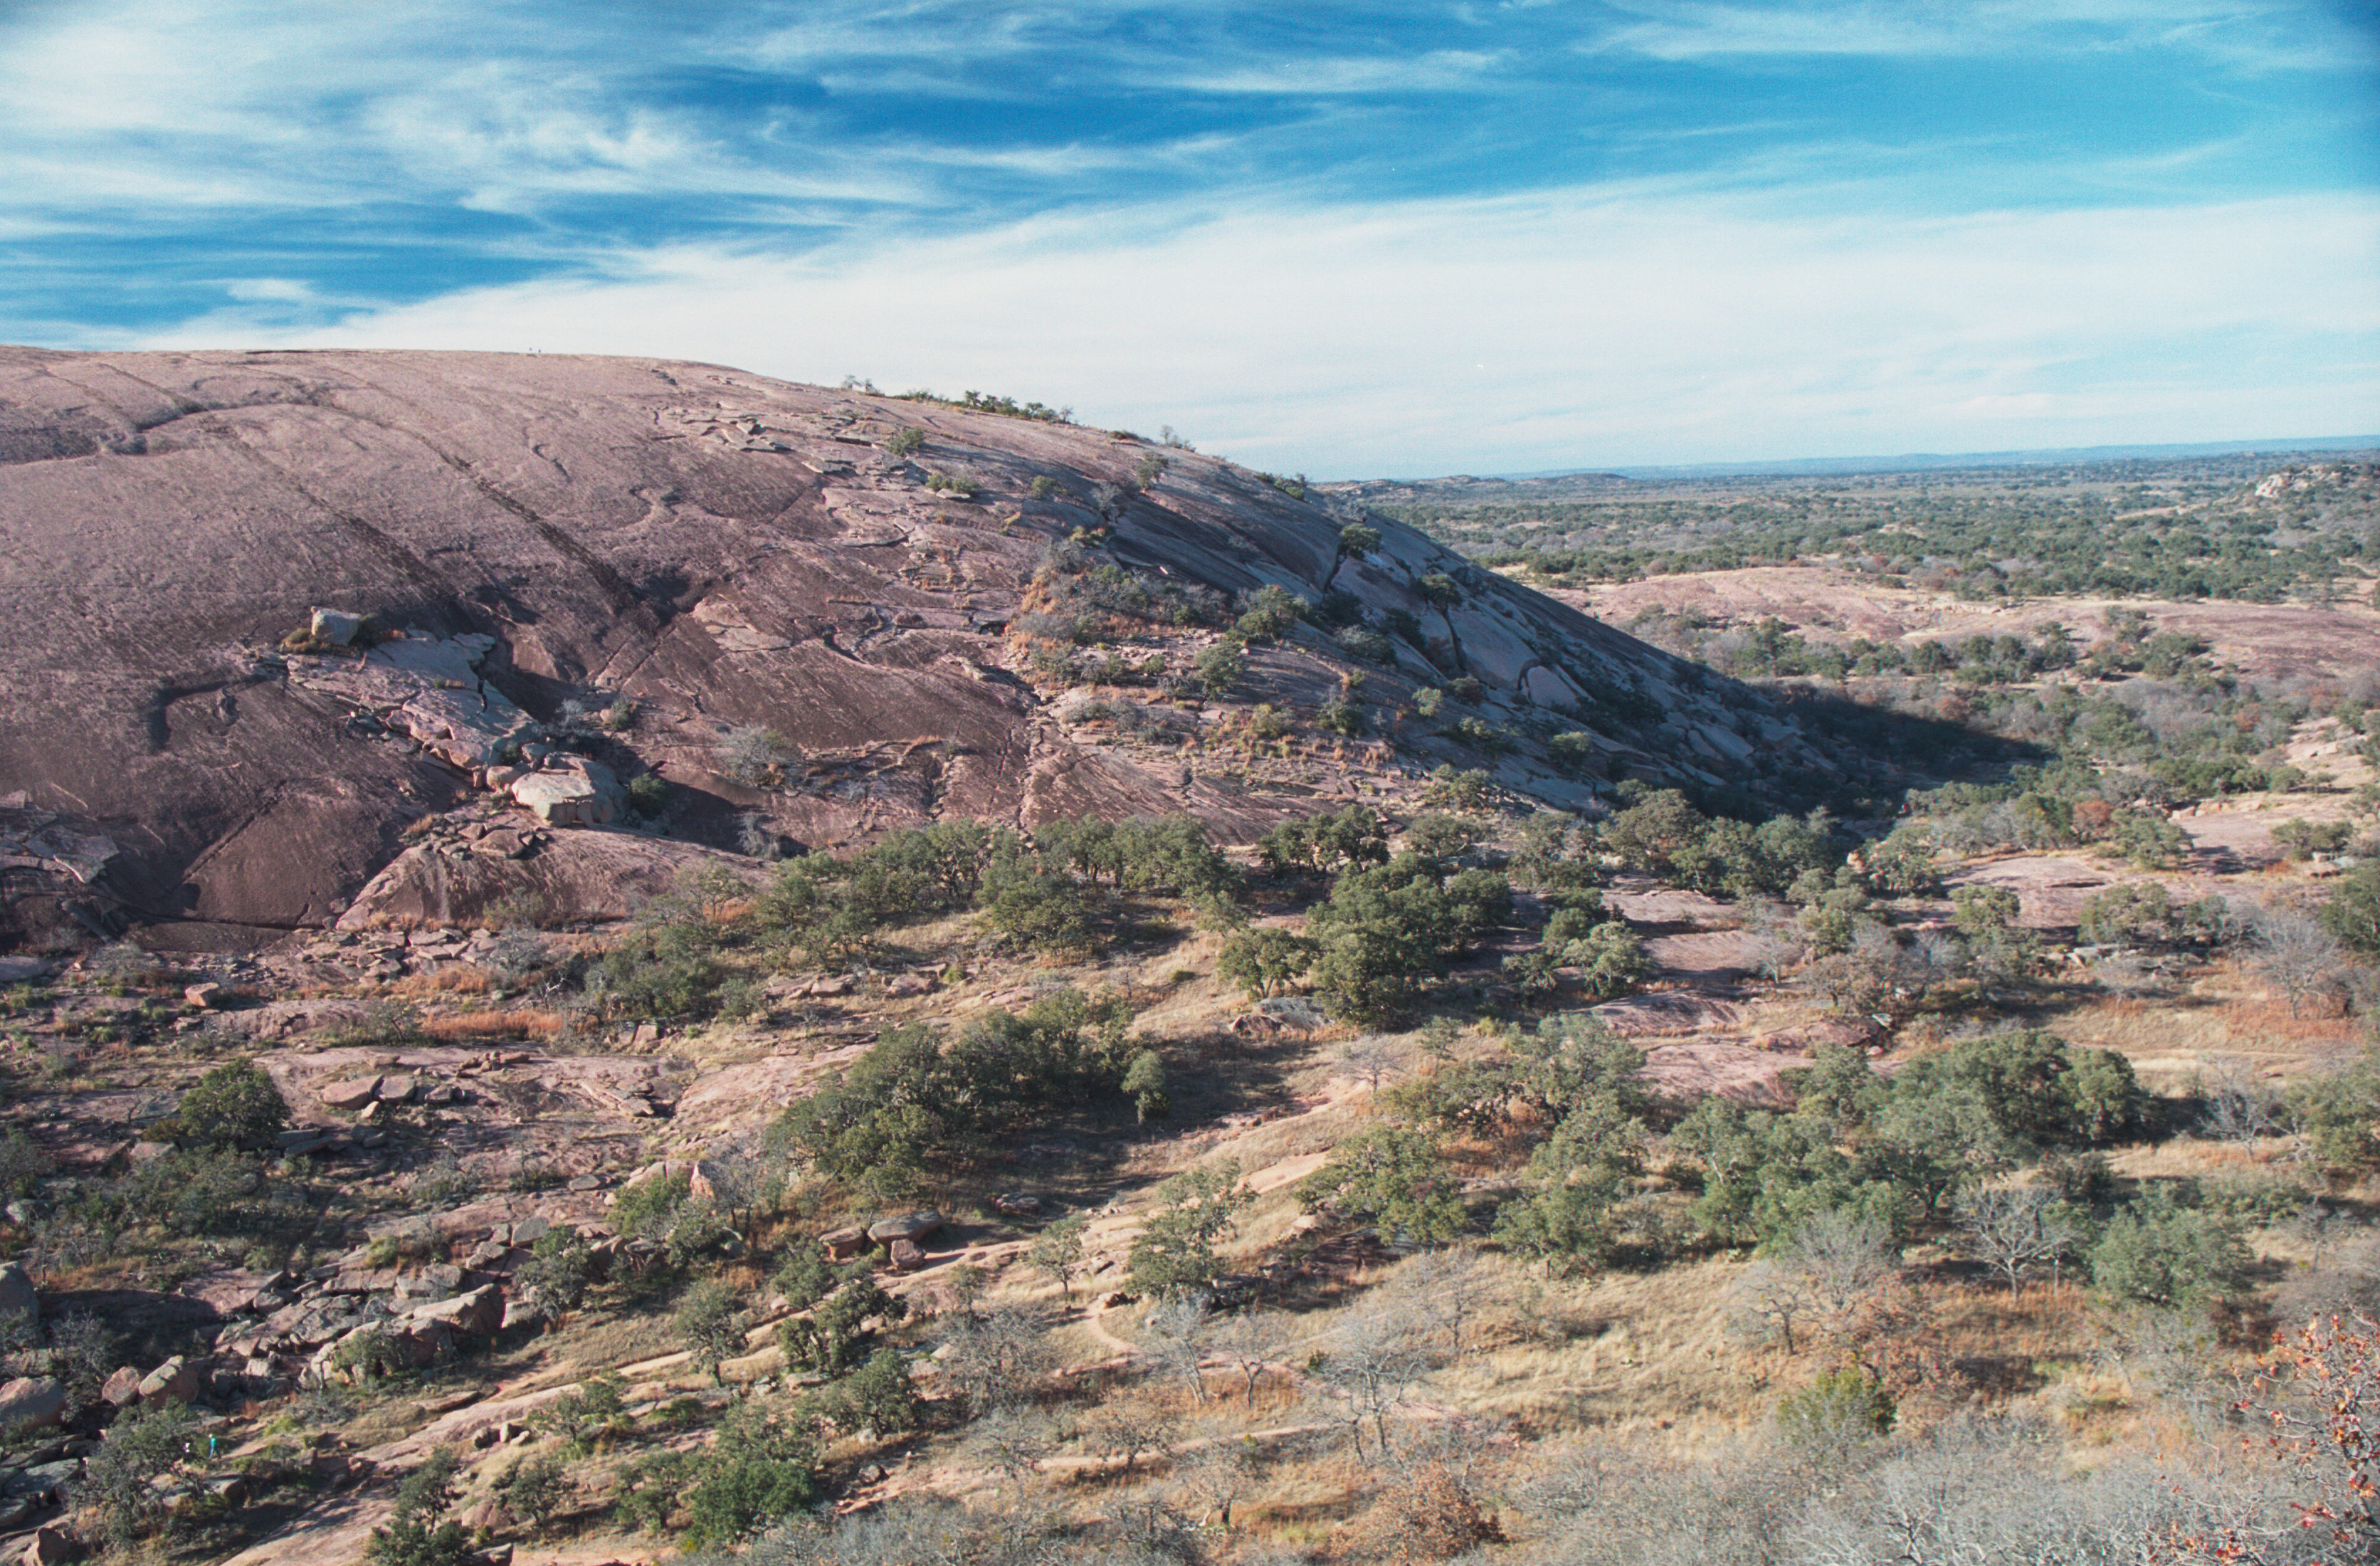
(1352, 240)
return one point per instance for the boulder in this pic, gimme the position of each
(32, 1402)
(203, 996)
(905, 1256)
(19, 1300)
(571, 792)
(395, 1090)
(42, 1481)
(352, 1094)
(477, 1313)
(906, 1226)
(337, 626)
(122, 1388)
(176, 1380)
(51, 1546)
(841, 1245)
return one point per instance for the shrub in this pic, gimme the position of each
(1175, 1251)
(1144, 1080)
(1844, 1408)
(2159, 1252)
(761, 1469)
(957, 485)
(2352, 914)
(534, 1489)
(1219, 669)
(1340, 717)
(120, 1480)
(905, 443)
(234, 1104)
(414, 1536)
(649, 795)
(1268, 614)
(754, 755)
(710, 1325)
(1392, 1176)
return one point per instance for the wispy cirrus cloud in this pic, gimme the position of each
(1811, 222)
(1436, 336)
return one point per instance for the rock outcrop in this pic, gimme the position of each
(268, 611)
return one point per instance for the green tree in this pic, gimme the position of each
(415, 1536)
(2353, 912)
(2159, 1252)
(1058, 1251)
(762, 1468)
(1609, 958)
(878, 1396)
(1572, 1182)
(1144, 1079)
(1175, 1251)
(1392, 1176)
(711, 1325)
(830, 1335)
(1264, 962)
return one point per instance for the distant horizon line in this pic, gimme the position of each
(1921, 461)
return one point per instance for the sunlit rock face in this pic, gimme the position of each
(526, 542)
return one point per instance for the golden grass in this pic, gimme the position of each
(475, 1027)
(459, 979)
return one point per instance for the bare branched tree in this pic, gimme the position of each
(1370, 1363)
(1848, 1259)
(1014, 1440)
(1176, 1338)
(2239, 1107)
(1768, 1297)
(1447, 1290)
(995, 1359)
(1249, 1340)
(2296, 956)
(1369, 1059)
(1123, 1429)
(2013, 1229)
(1216, 1475)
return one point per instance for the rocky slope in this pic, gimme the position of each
(720, 551)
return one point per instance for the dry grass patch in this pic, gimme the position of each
(1624, 1350)
(472, 1027)
(460, 979)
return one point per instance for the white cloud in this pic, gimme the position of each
(1653, 328)
(2254, 35)
(269, 290)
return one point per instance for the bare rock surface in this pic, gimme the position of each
(267, 610)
